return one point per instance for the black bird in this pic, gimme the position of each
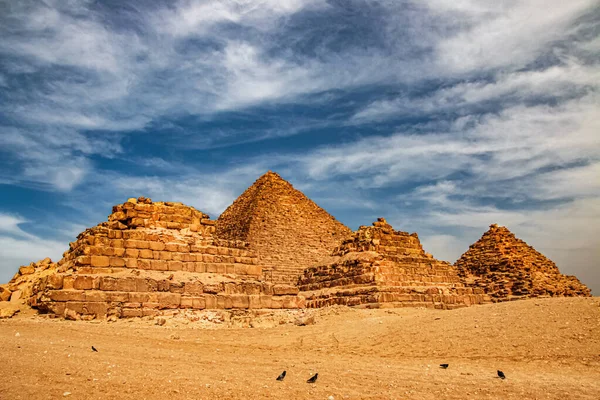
(280, 377)
(313, 379)
(94, 349)
(444, 366)
(501, 375)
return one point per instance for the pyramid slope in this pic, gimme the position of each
(288, 231)
(506, 267)
(381, 267)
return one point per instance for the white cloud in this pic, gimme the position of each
(572, 80)
(504, 34)
(20, 247)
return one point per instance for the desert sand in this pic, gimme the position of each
(548, 349)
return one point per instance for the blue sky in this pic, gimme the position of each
(443, 116)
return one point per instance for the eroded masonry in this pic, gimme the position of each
(273, 248)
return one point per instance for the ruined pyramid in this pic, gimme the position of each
(148, 259)
(287, 230)
(381, 267)
(508, 268)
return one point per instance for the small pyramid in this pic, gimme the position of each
(381, 267)
(506, 268)
(288, 231)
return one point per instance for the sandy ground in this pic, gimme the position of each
(549, 349)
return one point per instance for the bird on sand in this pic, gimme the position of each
(313, 379)
(94, 349)
(280, 377)
(444, 366)
(501, 375)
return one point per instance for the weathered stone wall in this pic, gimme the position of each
(288, 231)
(507, 268)
(381, 267)
(150, 257)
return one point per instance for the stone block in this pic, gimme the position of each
(66, 295)
(83, 260)
(118, 252)
(131, 263)
(279, 290)
(145, 253)
(156, 246)
(169, 300)
(55, 281)
(131, 312)
(139, 297)
(193, 288)
(210, 301)
(83, 282)
(171, 247)
(108, 283)
(199, 267)
(100, 261)
(254, 301)
(239, 301)
(116, 262)
(159, 265)
(198, 302)
(176, 287)
(175, 265)
(126, 284)
(224, 301)
(68, 281)
(26, 270)
(132, 252)
(163, 285)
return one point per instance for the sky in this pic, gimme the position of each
(443, 116)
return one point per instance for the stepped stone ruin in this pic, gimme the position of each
(287, 230)
(273, 248)
(507, 268)
(153, 257)
(381, 267)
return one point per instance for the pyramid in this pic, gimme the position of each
(287, 230)
(148, 259)
(507, 268)
(381, 267)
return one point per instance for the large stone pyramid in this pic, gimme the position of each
(287, 230)
(381, 267)
(153, 258)
(507, 268)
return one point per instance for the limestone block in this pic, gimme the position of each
(169, 300)
(55, 281)
(66, 295)
(156, 246)
(210, 301)
(68, 281)
(131, 312)
(193, 288)
(26, 270)
(224, 301)
(285, 290)
(83, 282)
(100, 261)
(116, 262)
(145, 253)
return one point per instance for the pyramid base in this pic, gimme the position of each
(374, 296)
